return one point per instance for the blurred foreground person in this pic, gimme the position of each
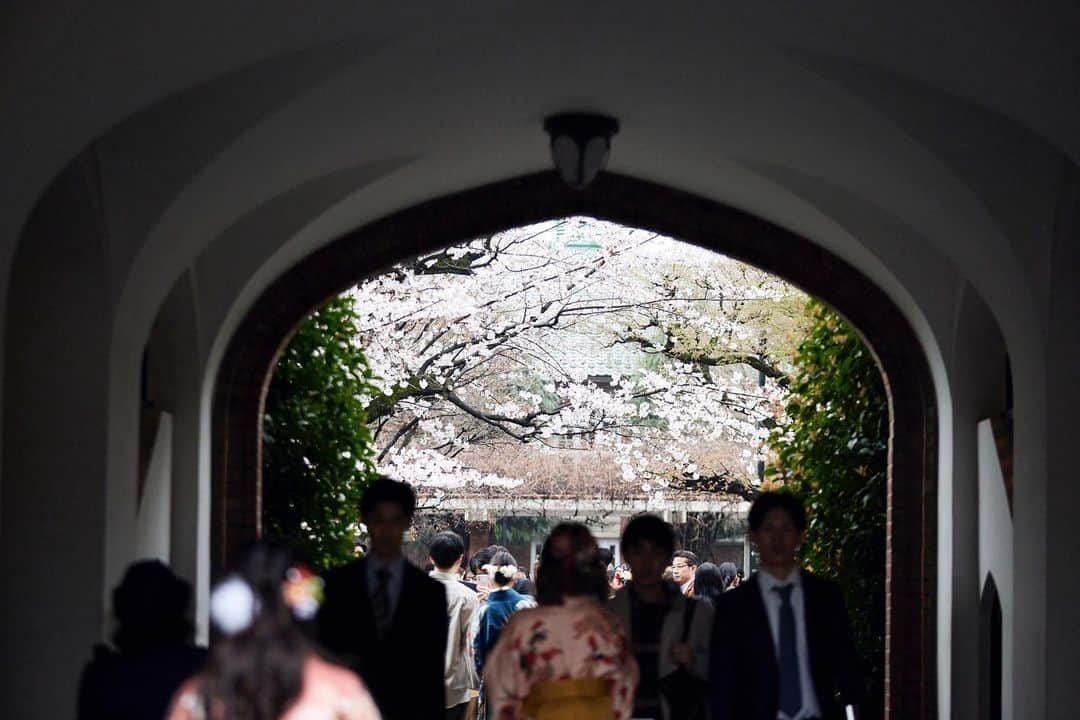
(263, 667)
(791, 655)
(153, 654)
(567, 659)
(385, 618)
(669, 632)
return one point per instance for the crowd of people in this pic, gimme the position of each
(663, 637)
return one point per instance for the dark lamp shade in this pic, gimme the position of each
(579, 164)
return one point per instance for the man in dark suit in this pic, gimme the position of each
(782, 643)
(386, 619)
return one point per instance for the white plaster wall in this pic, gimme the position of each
(996, 554)
(153, 520)
(53, 596)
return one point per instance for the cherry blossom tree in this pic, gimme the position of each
(665, 360)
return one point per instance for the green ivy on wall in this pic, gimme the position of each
(317, 449)
(834, 453)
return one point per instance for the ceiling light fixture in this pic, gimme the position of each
(580, 145)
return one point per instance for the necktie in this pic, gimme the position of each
(790, 684)
(380, 602)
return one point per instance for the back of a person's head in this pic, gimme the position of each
(151, 608)
(708, 581)
(606, 556)
(570, 565)
(256, 668)
(503, 568)
(445, 549)
(525, 586)
(649, 528)
(728, 572)
(768, 501)
(383, 489)
(480, 559)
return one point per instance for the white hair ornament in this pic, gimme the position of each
(507, 571)
(233, 605)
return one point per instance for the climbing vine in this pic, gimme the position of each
(833, 452)
(317, 448)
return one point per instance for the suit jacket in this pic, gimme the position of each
(745, 670)
(403, 670)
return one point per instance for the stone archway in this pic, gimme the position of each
(245, 372)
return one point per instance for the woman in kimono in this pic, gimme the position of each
(263, 667)
(502, 602)
(568, 658)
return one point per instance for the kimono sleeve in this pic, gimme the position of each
(505, 682)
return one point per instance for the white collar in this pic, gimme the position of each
(395, 566)
(437, 573)
(769, 581)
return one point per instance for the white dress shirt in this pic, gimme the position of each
(397, 575)
(766, 583)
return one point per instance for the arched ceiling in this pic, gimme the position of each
(201, 116)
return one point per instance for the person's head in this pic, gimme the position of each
(503, 569)
(479, 561)
(777, 527)
(525, 586)
(256, 668)
(683, 566)
(151, 608)
(646, 545)
(446, 550)
(387, 508)
(708, 581)
(728, 573)
(570, 566)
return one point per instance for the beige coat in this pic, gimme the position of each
(461, 605)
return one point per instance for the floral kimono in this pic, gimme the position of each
(561, 661)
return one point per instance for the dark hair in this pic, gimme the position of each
(502, 559)
(258, 672)
(569, 566)
(690, 558)
(151, 608)
(786, 501)
(445, 548)
(479, 559)
(606, 556)
(708, 581)
(525, 586)
(728, 573)
(651, 528)
(384, 489)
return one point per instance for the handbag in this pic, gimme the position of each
(686, 695)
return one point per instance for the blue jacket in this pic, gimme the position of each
(500, 605)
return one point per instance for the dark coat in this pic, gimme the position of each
(744, 668)
(404, 670)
